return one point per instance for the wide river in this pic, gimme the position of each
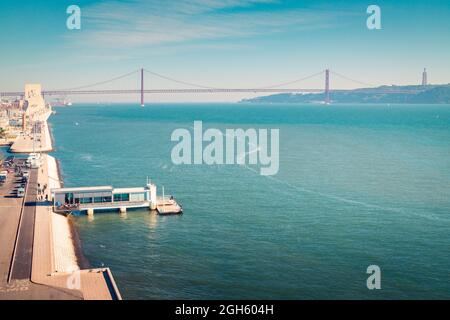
(358, 185)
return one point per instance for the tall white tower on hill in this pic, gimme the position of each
(424, 77)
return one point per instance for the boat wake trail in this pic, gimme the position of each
(405, 211)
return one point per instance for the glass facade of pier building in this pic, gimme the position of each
(98, 195)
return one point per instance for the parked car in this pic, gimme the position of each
(25, 176)
(20, 192)
(3, 176)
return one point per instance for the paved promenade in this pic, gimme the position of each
(54, 260)
(40, 141)
(21, 266)
(29, 259)
(10, 208)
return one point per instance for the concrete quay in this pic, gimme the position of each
(39, 260)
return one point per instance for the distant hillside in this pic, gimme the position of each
(432, 94)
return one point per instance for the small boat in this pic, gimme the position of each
(61, 103)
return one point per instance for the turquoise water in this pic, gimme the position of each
(357, 185)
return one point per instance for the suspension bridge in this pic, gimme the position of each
(194, 88)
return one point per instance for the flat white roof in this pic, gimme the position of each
(129, 190)
(83, 189)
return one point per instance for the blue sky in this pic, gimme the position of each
(228, 43)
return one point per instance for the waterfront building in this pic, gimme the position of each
(4, 119)
(107, 198)
(102, 194)
(104, 197)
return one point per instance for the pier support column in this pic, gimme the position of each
(123, 215)
(153, 200)
(90, 212)
(327, 87)
(123, 210)
(142, 87)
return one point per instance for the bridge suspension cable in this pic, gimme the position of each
(353, 80)
(272, 86)
(178, 81)
(101, 82)
(198, 88)
(292, 82)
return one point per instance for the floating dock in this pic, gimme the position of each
(107, 198)
(168, 206)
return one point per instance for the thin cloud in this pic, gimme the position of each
(144, 23)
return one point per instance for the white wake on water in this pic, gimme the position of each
(351, 201)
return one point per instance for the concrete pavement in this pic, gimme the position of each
(40, 141)
(21, 266)
(27, 257)
(16, 240)
(10, 208)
